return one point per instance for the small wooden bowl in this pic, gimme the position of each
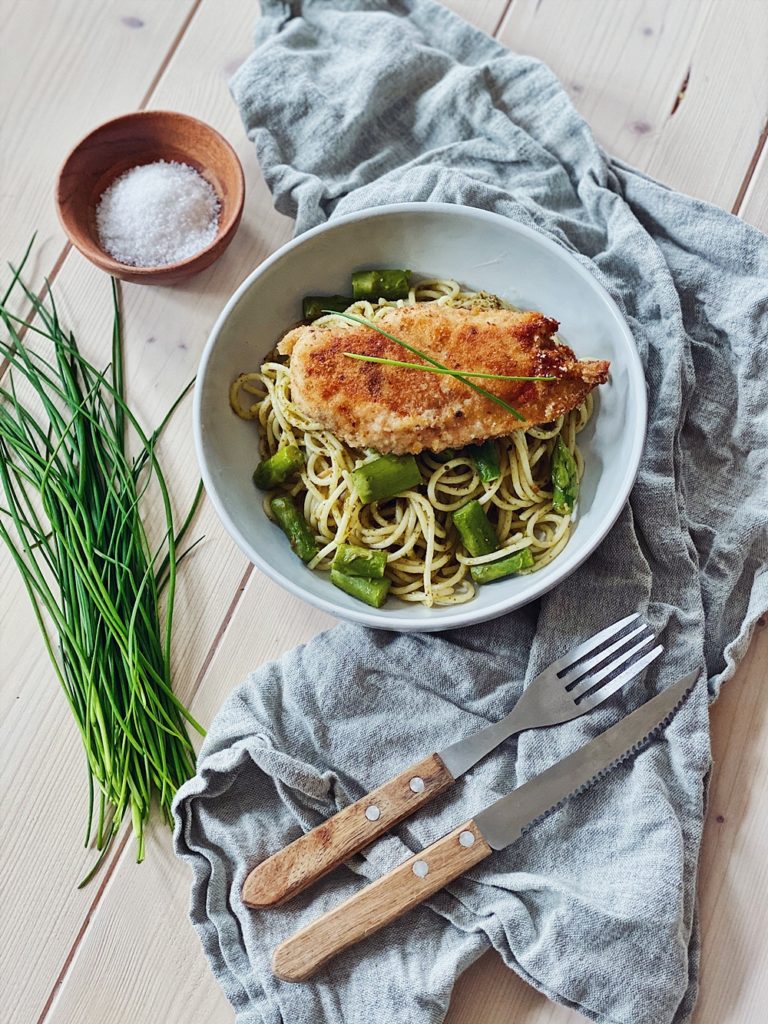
(143, 138)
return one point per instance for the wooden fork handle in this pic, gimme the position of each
(315, 854)
(378, 904)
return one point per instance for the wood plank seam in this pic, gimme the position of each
(647, 142)
(106, 875)
(501, 18)
(122, 839)
(59, 262)
(169, 55)
(125, 832)
(215, 644)
(761, 143)
(241, 586)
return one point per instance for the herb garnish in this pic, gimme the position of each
(436, 369)
(417, 352)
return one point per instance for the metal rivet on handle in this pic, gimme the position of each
(466, 838)
(372, 813)
(417, 784)
(420, 868)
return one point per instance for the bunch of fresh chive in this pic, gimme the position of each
(71, 517)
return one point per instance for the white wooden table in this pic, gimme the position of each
(678, 88)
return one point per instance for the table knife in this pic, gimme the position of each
(498, 826)
(569, 687)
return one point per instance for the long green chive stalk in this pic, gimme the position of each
(71, 517)
(436, 369)
(417, 352)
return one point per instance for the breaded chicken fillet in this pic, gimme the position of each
(393, 409)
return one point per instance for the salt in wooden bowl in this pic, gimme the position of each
(143, 138)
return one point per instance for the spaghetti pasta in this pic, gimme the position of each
(426, 561)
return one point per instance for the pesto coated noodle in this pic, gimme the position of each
(426, 561)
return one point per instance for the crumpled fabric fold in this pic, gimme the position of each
(358, 104)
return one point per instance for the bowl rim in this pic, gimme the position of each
(445, 617)
(98, 256)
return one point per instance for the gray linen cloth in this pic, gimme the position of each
(356, 104)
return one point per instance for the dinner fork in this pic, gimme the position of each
(570, 687)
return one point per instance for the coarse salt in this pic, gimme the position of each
(157, 214)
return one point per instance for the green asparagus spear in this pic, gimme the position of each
(295, 527)
(372, 592)
(355, 561)
(486, 459)
(285, 463)
(490, 571)
(565, 478)
(312, 306)
(386, 477)
(475, 529)
(381, 284)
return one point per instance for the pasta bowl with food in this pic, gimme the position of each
(419, 416)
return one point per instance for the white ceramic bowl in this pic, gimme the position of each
(482, 251)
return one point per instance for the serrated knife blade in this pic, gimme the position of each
(506, 820)
(572, 686)
(423, 874)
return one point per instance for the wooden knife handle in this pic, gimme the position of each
(315, 854)
(378, 904)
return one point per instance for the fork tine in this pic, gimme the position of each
(581, 668)
(621, 680)
(589, 645)
(592, 680)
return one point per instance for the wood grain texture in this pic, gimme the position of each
(380, 903)
(733, 880)
(490, 993)
(42, 765)
(754, 209)
(733, 869)
(130, 944)
(66, 66)
(678, 89)
(158, 969)
(165, 332)
(313, 855)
